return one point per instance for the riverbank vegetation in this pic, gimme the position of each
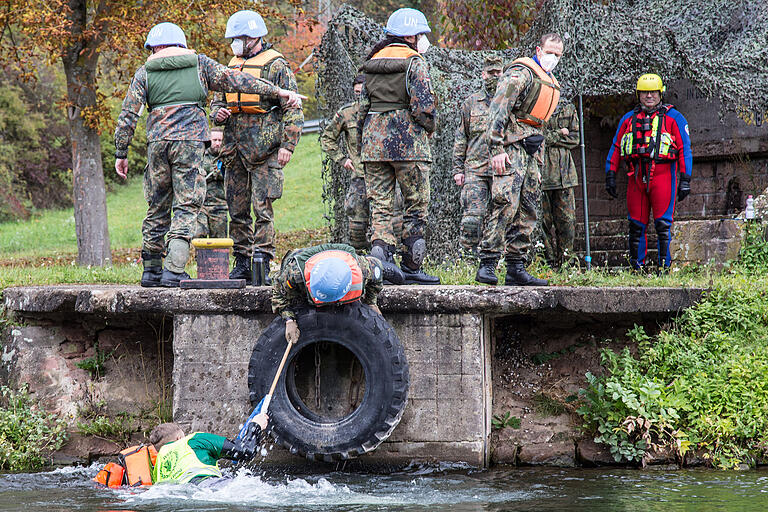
(28, 434)
(700, 387)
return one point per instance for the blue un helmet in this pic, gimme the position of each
(164, 34)
(330, 280)
(407, 22)
(245, 23)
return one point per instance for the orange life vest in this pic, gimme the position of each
(111, 475)
(134, 467)
(356, 287)
(255, 66)
(542, 98)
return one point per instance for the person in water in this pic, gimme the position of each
(195, 458)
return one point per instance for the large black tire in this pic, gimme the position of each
(374, 343)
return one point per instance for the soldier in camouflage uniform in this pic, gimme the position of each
(174, 84)
(259, 139)
(396, 117)
(514, 140)
(212, 221)
(356, 203)
(471, 171)
(322, 275)
(558, 183)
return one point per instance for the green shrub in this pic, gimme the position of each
(117, 428)
(27, 434)
(703, 383)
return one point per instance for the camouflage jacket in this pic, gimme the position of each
(470, 146)
(257, 136)
(559, 169)
(289, 290)
(503, 127)
(399, 135)
(214, 171)
(345, 120)
(180, 122)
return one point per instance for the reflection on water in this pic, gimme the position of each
(417, 488)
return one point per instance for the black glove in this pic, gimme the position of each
(684, 188)
(532, 143)
(610, 184)
(243, 449)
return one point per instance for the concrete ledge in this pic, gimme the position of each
(120, 299)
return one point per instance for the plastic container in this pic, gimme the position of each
(749, 212)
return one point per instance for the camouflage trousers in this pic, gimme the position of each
(558, 221)
(357, 207)
(413, 178)
(514, 199)
(174, 181)
(257, 185)
(212, 221)
(475, 203)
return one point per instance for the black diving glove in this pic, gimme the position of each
(684, 188)
(610, 184)
(244, 449)
(532, 143)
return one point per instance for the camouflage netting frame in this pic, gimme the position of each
(721, 46)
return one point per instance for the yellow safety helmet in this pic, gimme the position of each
(650, 82)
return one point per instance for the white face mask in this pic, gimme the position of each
(422, 45)
(237, 47)
(549, 61)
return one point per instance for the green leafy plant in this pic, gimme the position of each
(95, 364)
(117, 428)
(500, 421)
(27, 433)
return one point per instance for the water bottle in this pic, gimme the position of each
(749, 213)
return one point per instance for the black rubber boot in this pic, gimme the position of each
(172, 279)
(664, 236)
(635, 233)
(385, 253)
(153, 269)
(487, 271)
(518, 276)
(242, 268)
(260, 270)
(413, 273)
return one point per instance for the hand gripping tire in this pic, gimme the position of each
(363, 332)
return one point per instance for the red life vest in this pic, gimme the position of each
(356, 287)
(648, 137)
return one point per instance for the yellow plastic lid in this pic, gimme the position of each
(212, 243)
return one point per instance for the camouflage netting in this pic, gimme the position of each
(720, 46)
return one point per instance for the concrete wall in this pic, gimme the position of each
(470, 351)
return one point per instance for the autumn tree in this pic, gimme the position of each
(486, 24)
(100, 44)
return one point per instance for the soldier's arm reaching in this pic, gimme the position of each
(422, 100)
(374, 272)
(221, 78)
(219, 111)
(558, 136)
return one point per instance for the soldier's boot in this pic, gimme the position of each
(153, 269)
(260, 269)
(664, 236)
(487, 271)
(385, 253)
(518, 276)
(171, 279)
(242, 268)
(635, 234)
(412, 260)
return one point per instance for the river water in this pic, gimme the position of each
(418, 488)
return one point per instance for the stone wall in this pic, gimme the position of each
(473, 352)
